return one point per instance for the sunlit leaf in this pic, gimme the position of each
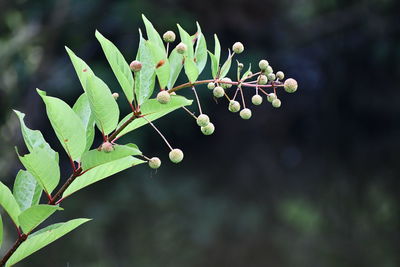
(226, 67)
(82, 70)
(187, 40)
(176, 64)
(152, 34)
(27, 190)
(214, 65)
(200, 54)
(191, 70)
(217, 49)
(160, 62)
(35, 215)
(9, 204)
(82, 109)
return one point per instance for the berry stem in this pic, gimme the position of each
(158, 131)
(197, 99)
(190, 113)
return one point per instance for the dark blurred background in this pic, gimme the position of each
(314, 183)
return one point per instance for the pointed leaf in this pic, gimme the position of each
(81, 68)
(187, 40)
(152, 34)
(38, 241)
(35, 215)
(82, 109)
(226, 67)
(27, 190)
(200, 54)
(66, 124)
(118, 64)
(9, 204)
(217, 49)
(246, 73)
(100, 172)
(176, 65)
(191, 70)
(1, 231)
(214, 65)
(160, 62)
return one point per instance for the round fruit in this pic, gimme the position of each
(203, 120)
(208, 130)
(290, 85)
(136, 65)
(169, 36)
(154, 163)
(271, 97)
(176, 155)
(107, 147)
(245, 113)
(257, 100)
(276, 103)
(263, 64)
(163, 97)
(238, 47)
(234, 106)
(218, 92)
(181, 48)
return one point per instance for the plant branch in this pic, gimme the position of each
(17, 243)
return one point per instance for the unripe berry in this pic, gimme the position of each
(245, 113)
(290, 85)
(203, 120)
(262, 79)
(238, 47)
(271, 77)
(154, 163)
(115, 95)
(276, 103)
(218, 92)
(208, 130)
(257, 100)
(176, 155)
(269, 70)
(263, 64)
(234, 106)
(181, 48)
(163, 97)
(271, 97)
(224, 84)
(136, 65)
(107, 147)
(240, 66)
(169, 36)
(211, 86)
(280, 75)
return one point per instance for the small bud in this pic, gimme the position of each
(172, 93)
(238, 47)
(257, 100)
(136, 65)
(203, 120)
(280, 75)
(176, 155)
(276, 103)
(271, 97)
(271, 77)
(208, 130)
(263, 64)
(234, 106)
(107, 147)
(163, 97)
(154, 163)
(169, 36)
(290, 85)
(269, 70)
(211, 86)
(249, 74)
(218, 92)
(240, 66)
(115, 95)
(262, 79)
(245, 113)
(181, 48)
(224, 84)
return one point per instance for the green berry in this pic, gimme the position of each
(154, 163)
(238, 47)
(163, 97)
(115, 96)
(208, 130)
(240, 65)
(269, 70)
(211, 86)
(203, 120)
(169, 36)
(181, 48)
(107, 147)
(290, 85)
(176, 155)
(263, 64)
(257, 100)
(276, 103)
(245, 113)
(271, 77)
(136, 65)
(280, 75)
(224, 84)
(234, 106)
(262, 79)
(271, 97)
(218, 92)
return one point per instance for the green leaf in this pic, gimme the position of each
(153, 110)
(161, 63)
(35, 215)
(38, 241)
(44, 168)
(200, 54)
(1, 231)
(82, 109)
(217, 49)
(214, 65)
(187, 40)
(246, 73)
(103, 105)
(27, 191)
(152, 34)
(118, 64)
(81, 68)
(226, 67)
(191, 70)
(100, 172)
(9, 204)
(145, 78)
(94, 158)
(176, 65)
(66, 124)
(34, 138)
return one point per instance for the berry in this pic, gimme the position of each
(163, 97)
(271, 97)
(226, 85)
(218, 92)
(262, 79)
(181, 48)
(154, 163)
(208, 130)
(176, 155)
(280, 75)
(169, 36)
(107, 147)
(263, 64)
(245, 113)
(271, 77)
(203, 120)
(234, 106)
(211, 86)
(240, 66)
(238, 47)
(269, 70)
(257, 100)
(290, 85)
(276, 103)
(115, 95)
(136, 65)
